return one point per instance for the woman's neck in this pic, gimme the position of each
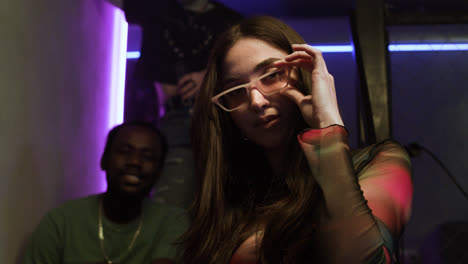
(276, 160)
(120, 209)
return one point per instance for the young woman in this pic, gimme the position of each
(277, 181)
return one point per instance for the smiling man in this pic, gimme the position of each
(121, 225)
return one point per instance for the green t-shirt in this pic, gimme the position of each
(69, 235)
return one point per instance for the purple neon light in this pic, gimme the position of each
(118, 65)
(117, 87)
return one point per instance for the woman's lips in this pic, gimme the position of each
(267, 121)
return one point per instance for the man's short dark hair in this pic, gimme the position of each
(115, 131)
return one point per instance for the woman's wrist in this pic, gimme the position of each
(316, 135)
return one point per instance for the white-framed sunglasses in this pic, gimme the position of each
(269, 83)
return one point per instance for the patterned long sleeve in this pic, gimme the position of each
(348, 231)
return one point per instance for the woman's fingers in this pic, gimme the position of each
(294, 94)
(316, 54)
(304, 102)
(307, 48)
(298, 55)
(319, 108)
(305, 56)
(306, 64)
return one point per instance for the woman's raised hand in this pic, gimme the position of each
(320, 108)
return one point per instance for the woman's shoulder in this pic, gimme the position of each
(362, 157)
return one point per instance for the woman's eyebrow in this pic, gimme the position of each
(228, 81)
(260, 66)
(265, 63)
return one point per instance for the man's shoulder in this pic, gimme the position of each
(75, 206)
(68, 216)
(163, 209)
(165, 214)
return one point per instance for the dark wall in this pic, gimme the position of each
(430, 106)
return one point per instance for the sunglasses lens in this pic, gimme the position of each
(234, 98)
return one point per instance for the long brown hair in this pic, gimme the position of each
(235, 185)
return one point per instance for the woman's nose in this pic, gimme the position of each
(257, 100)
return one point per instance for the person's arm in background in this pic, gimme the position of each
(189, 84)
(46, 244)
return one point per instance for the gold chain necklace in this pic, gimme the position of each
(101, 234)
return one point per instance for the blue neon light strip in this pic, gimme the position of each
(428, 47)
(350, 48)
(334, 48)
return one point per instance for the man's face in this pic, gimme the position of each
(132, 163)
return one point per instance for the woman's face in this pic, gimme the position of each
(265, 120)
